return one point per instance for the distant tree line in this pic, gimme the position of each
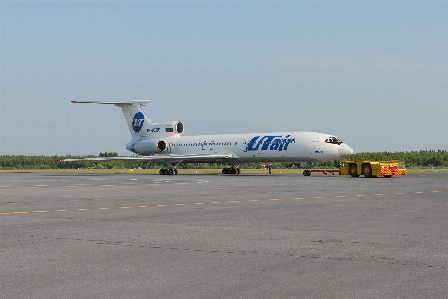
(413, 159)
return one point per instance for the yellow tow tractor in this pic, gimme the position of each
(371, 169)
(367, 168)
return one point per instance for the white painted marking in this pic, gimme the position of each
(216, 202)
(341, 196)
(133, 179)
(142, 206)
(318, 197)
(19, 212)
(274, 199)
(103, 208)
(4, 213)
(81, 209)
(61, 210)
(418, 192)
(254, 200)
(125, 207)
(199, 203)
(359, 195)
(233, 201)
(378, 194)
(160, 205)
(180, 204)
(39, 211)
(298, 198)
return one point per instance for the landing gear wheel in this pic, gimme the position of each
(170, 171)
(307, 172)
(353, 170)
(367, 170)
(175, 171)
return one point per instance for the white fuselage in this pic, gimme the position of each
(256, 147)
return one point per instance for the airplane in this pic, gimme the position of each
(164, 143)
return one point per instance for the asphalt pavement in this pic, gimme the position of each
(86, 235)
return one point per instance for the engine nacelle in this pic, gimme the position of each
(148, 147)
(172, 127)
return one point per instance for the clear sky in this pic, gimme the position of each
(373, 73)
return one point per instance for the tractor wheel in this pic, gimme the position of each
(367, 170)
(353, 170)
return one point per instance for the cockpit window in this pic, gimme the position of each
(333, 140)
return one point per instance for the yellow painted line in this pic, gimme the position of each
(205, 203)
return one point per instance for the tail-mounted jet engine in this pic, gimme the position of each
(175, 127)
(148, 147)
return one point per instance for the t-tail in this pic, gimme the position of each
(139, 124)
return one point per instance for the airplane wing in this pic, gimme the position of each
(165, 158)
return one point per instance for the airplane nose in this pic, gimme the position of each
(344, 150)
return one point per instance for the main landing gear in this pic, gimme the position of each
(232, 170)
(170, 171)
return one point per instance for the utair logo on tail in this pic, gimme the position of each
(269, 143)
(164, 143)
(137, 122)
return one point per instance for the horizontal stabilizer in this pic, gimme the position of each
(113, 103)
